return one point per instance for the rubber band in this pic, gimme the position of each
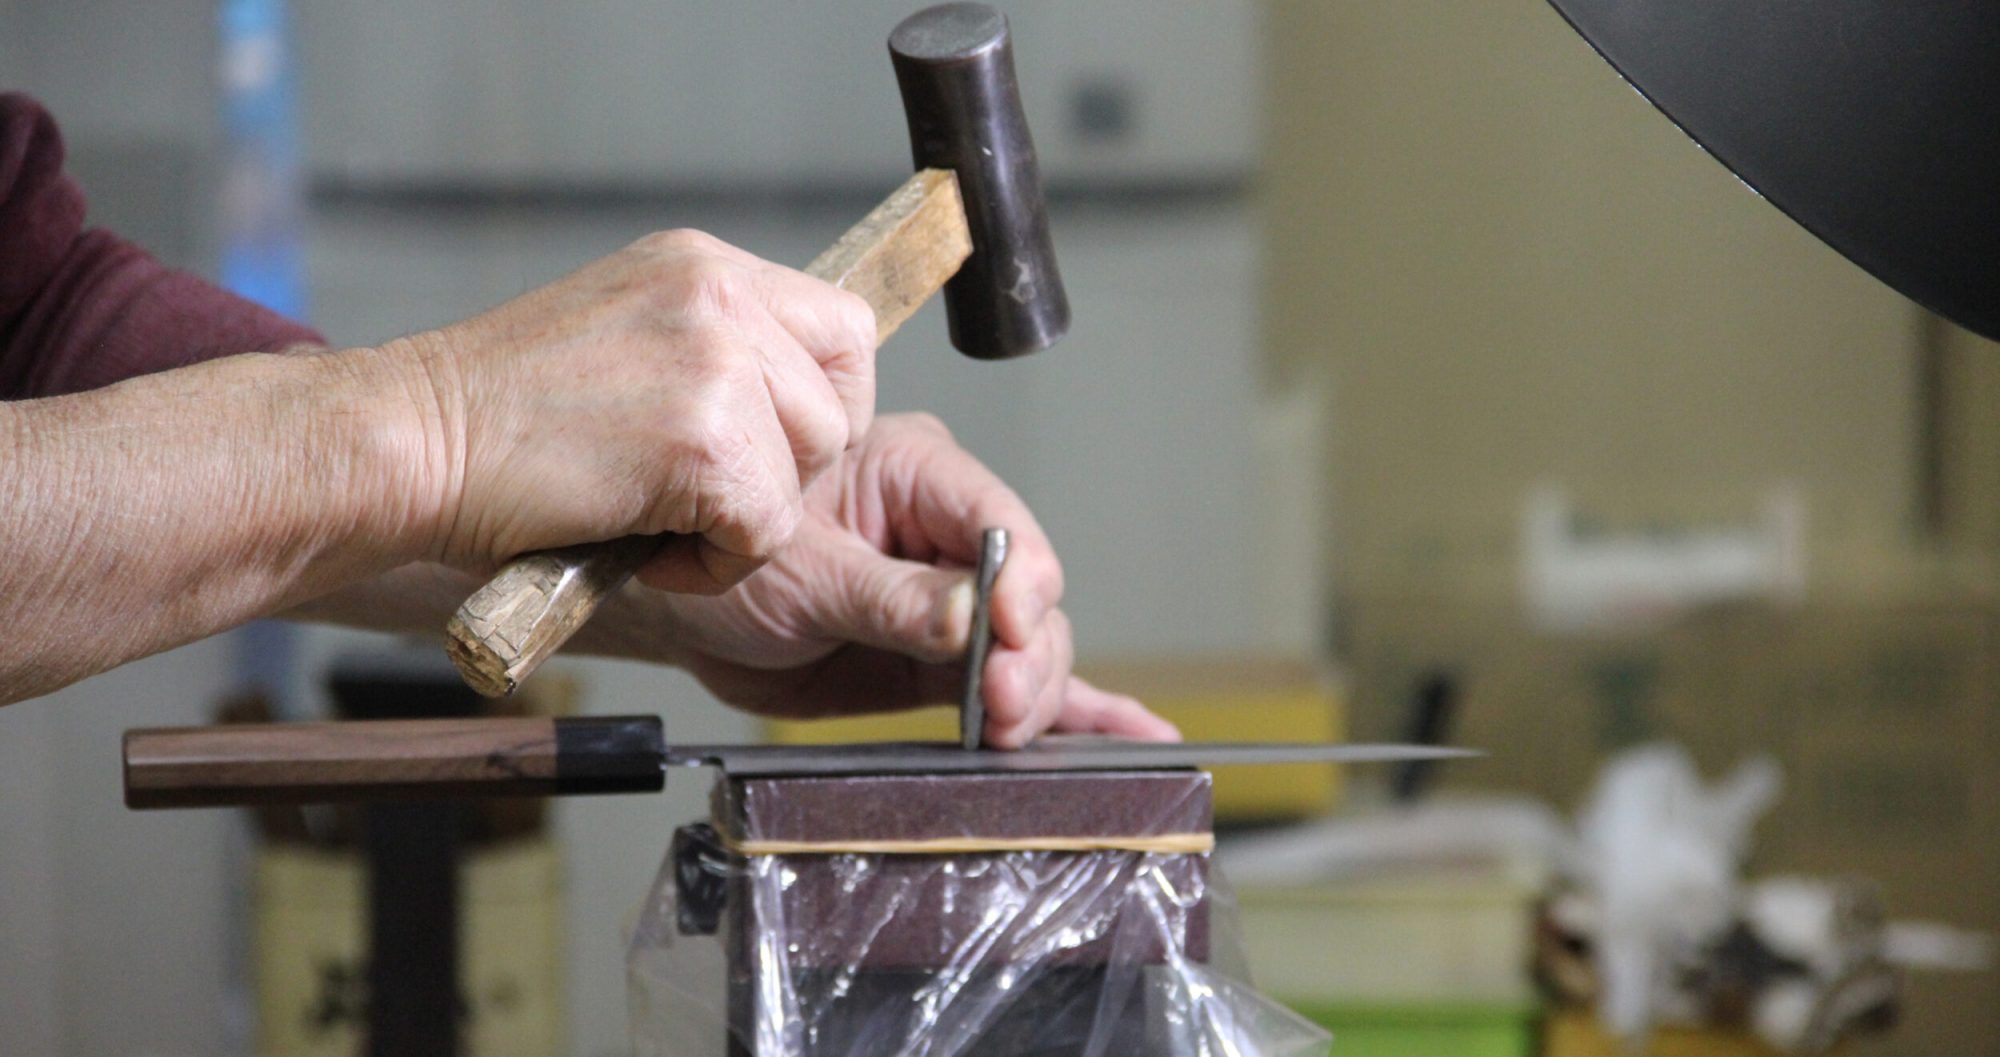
(1160, 844)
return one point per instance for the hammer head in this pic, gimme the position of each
(955, 66)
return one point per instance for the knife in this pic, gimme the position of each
(539, 756)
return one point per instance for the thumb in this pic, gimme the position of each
(908, 608)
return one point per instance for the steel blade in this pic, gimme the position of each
(1048, 754)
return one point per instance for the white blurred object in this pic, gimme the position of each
(1660, 929)
(1662, 852)
(1829, 932)
(1934, 945)
(1785, 1011)
(1825, 925)
(1574, 580)
(1519, 836)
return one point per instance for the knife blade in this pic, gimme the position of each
(1049, 753)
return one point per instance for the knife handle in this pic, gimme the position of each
(392, 759)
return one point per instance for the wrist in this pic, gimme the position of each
(403, 436)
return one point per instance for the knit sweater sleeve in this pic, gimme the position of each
(81, 308)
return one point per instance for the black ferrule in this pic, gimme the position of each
(610, 754)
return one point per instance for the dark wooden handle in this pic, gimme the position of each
(896, 258)
(399, 759)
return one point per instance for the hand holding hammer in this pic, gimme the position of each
(972, 221)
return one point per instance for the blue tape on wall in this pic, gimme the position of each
(262, 238)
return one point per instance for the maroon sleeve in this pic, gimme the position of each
(81, 308)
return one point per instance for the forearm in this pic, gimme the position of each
(415, 599)
(155, 512)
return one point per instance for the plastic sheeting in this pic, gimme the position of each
(1019, 952)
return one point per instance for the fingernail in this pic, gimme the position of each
(954, 627)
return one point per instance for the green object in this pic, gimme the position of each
(1426, 1029)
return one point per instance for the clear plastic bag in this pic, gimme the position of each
(1105, 952)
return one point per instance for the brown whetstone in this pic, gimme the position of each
(916, 807)
(918, 912)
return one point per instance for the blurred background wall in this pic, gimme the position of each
(1362, 289)
(1519, 273)
(1624, 455)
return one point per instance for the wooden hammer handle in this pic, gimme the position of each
(896, 258)
(399, 759)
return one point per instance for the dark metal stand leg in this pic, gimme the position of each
(413, 856)
(413, 1008)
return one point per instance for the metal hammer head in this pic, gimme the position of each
(955, 66)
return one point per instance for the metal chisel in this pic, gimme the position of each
(972, 706)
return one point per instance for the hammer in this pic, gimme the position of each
(972, 220)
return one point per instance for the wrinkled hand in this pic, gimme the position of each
(679, 385)
(870, 607)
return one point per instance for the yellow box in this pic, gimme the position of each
(310, 931)
(1210, 699)
(1574, 1034)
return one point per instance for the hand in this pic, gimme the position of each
(870, 607)
(679, 385)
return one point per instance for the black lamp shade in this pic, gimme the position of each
(1874, 123)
